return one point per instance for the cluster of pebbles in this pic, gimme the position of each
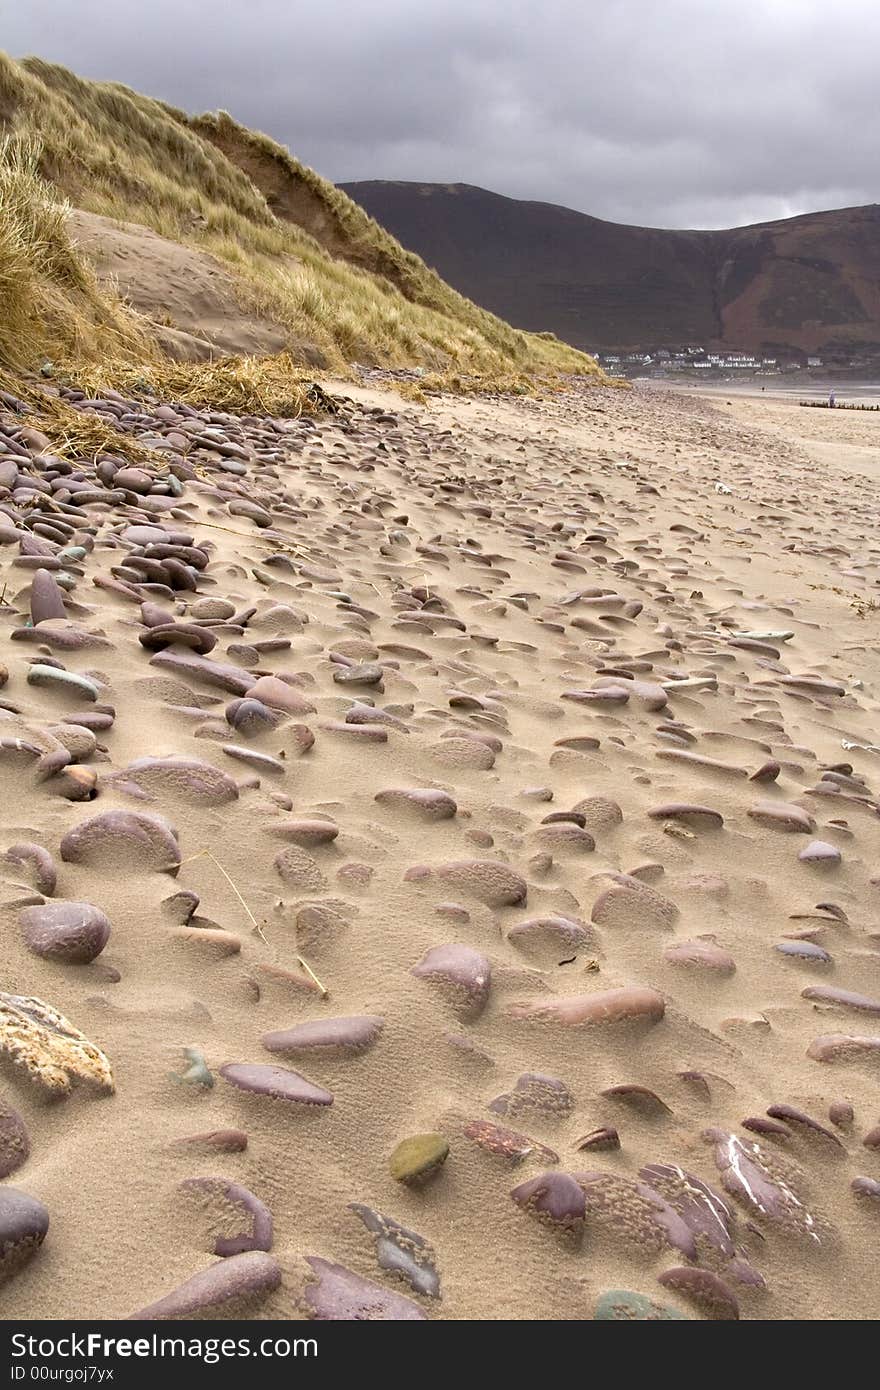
(438, 844)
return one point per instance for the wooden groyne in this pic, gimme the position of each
(838, 405)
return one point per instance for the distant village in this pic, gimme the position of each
(663, 361)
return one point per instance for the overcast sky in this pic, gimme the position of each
(676, 113)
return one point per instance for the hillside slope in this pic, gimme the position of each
(810, 282)
(301, 254)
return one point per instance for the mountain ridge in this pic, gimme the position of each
(803, 284)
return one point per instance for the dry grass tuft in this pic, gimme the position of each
(275, 385)
(302, 251)
(50, 302)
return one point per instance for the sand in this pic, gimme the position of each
(470, 575)
(197, 306)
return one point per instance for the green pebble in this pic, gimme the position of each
(622, 1305)
(54, 676)
(197, 1072)
(418, 1157)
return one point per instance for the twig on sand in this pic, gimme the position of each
(256, 926)
(206, 854)
(325, 993)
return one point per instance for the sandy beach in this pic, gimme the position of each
(506, 773)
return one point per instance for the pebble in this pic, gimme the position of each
(228, 1203)
(506, 1143)
(65, 682)
(636, 1214)
(627, 1005)
(556, 1200)
(24, 1222)
(235, 1285)
(123, 839)
(535, 1091)
(419, 1158)
(622, 1305)
(15, 1144)
(704, 1289)
(340, 1295)
(341, 1037)
(276, 1082)
(747, 1174)
(65, 931)
(401, 1251)
(461, 973)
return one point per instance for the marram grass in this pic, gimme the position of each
(302, 252)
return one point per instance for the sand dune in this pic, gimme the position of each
(539, 742)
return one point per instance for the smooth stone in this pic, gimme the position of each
(15, 1144)
(304, 831)
(37, 862)
(263, 762)
(703, 953)
(213, 1141)
(631, 1003)
(782, 815)
(557, 1201)
(417, 1159)
(820, 852)
(506, 1143)
(804, 1124)
(201, 668)
(631, 904)
(277, 694)
(427, 803)
(844, 998)
(804, 950)
(546, 939)
(833, 1047)
(276, 1082)
(345, 1037)
(65, 681)
(196, 782)
(401, 1251)
(47, 598)
(639, 1098)
(120, 839)
(250, 717)
(866, 1188)
(340, 1295)
(462, 973)
(24, 1222)
(240, 1279)
(67, 931)
(198, 639)
(704, 1289)
(239, 1204)
(622, 1305)
(689, 813)
(488, 880)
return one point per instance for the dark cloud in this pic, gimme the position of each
(663, 112)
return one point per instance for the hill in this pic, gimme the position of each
(810, 283)
(290, 250)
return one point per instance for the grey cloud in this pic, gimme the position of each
(659, 112)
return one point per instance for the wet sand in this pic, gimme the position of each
(539, 741)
